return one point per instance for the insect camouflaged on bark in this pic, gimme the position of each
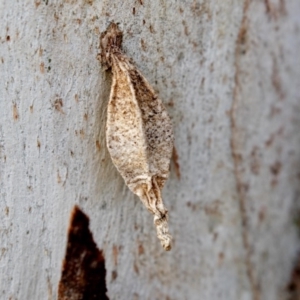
(139, 133)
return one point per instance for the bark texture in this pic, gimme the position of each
(228, 73)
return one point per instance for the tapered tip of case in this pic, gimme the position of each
(163, 232)
(167, 244)
(110, 42)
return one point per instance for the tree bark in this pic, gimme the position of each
(228, 73)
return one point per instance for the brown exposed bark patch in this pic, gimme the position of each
(270, 140)
(58, 104)
(221, 258)
(170, 103)
(275, 111)
(276, 81)
(82, 134)
(83, 271)
(275, 10)
(115, 254)
(186, 31)
(192, 206)
(141, 249)
(214, 208)
(136, 268)
(236, 151)
(15, 112)
(293, 287)
(151, 29)
(98, 146)
(143, 45)
(49, 286)
(175, 159)
(255, 160)
(268, 6)
(40, 51)
(199, 10)
(37, 3)
(276, 168)
(42, 67)
(282, 7)
(58, 177)
(114, 275)
(262, 214)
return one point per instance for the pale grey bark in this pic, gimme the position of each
(229, 74)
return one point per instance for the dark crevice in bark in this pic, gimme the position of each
(293, 287)
(83, 271)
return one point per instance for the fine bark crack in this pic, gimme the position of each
(241, 187)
